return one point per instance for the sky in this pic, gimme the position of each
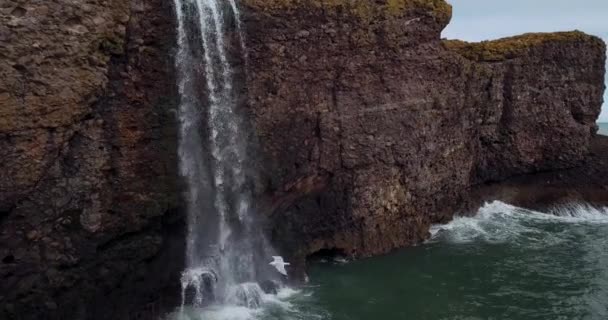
(477, 20)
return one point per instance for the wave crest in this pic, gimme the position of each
(498, 222)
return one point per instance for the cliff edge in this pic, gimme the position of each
(372, 127)
(369, 127)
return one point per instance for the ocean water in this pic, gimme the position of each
(503, 263)
(603, 128)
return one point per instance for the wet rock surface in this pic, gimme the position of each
(369, 128)
(586, 183)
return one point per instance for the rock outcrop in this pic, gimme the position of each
(372, 127)
(369, 129)
(586, 183)
(87, 157)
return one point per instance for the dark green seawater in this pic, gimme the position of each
(504, 263)
(603, 128)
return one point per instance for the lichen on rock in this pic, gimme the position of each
(363, 9)
(517, 46)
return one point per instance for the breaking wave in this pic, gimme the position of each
(498, 222)
(285, 304)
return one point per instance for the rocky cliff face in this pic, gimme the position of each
(372, 127)
(369, 126)
(87, 155)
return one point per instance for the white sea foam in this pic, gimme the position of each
(223, 312)
(249, 302)
(287, 292)
(341, 260)
(580, 213)
(498, 222)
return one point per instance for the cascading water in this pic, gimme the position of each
(226, 253)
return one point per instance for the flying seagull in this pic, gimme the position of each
(279, 264)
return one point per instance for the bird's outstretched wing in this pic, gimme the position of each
(279, 264)
(281, 269)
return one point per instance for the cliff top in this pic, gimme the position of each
(364, 9)
(513, 47)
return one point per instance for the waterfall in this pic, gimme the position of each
(226, 253)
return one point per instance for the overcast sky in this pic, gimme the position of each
(476, 20)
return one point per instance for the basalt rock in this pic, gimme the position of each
(88, 181)
(372, 128)
(369, 128)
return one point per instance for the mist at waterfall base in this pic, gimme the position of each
(226, 253)
(503, 263)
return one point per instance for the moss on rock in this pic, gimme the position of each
(513, 47)
(364, 9)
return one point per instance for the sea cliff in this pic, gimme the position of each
(372, 127)
(368, 127)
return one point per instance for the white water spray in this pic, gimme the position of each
(498, 222)
(225, 250)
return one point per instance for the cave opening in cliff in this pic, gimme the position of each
(8, 259)
(326, 255)
(5, 212)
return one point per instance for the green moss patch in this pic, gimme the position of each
(364, 9)
(513, 47)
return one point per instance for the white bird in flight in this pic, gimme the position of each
(279, 264)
